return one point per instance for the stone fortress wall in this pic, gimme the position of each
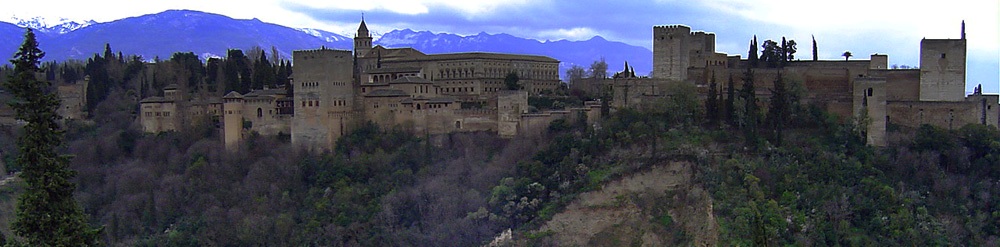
(335, 90)
(933, 94)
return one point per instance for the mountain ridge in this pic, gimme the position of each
(209, 35)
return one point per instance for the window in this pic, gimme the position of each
(260, 113)
(943, 55)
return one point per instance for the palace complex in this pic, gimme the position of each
(336, 90)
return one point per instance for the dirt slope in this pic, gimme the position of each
(658, 207)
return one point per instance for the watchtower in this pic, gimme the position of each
(232, 119)
(676, 48)
(324, 96)
(942, 69)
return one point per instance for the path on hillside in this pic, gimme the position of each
(10, 178)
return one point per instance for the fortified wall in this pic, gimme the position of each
(861, 89)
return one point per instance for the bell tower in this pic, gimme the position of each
(363, 40)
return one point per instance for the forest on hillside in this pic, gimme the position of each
(787, 174)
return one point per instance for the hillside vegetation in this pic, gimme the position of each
(700, 182)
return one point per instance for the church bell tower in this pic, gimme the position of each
(363, 40)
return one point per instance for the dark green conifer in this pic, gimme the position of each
(47, 214)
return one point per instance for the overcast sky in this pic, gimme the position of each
(860, 26)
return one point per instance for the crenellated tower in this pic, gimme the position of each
(324, 96)
(676, 49)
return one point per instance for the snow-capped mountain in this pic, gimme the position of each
(47, 26)
(209, 35)
(581, 53)
(327, 36)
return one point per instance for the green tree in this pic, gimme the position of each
(815, 50)
(748, 122)
(772, 54)
(731, 102)
(236, 71)
(777, 112)
(575, 74)
(511, 81)
(847, 55)
(789, 48)
(263, 73)
(752, 55)
(189, 69)
(712, 102)
(599, 69)
(47, 214)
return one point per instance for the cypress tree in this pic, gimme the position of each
(778, 111)
(731, 101)
(712, 102)
(784, 51)
(749, 121)
(47, 214)
(752, 56)
(815, 51)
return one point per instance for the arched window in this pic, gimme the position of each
(260, 113)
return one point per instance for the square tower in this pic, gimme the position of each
(670, 52)
(676, 48)
(942, 69)
(324, 96)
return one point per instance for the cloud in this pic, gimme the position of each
(577, 33)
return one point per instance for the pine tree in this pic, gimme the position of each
(47, 214)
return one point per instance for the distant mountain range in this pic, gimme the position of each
(208, 35)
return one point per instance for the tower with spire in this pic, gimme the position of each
(363, 40)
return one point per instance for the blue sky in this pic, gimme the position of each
(860, 26)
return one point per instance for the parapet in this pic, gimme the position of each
(322, 51)
(672, 28)
(678, 29)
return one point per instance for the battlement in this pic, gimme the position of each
(672, 27)
(676, 29)
(322, 51)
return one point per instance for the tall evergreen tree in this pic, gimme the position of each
(748, 121)
(263, 73)
(777, 112)
(712, 102)
(815, 50)
(108, 54)
(47, 214)
(100, 82)
(752, 54)
(731, 101)
(784, 50)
